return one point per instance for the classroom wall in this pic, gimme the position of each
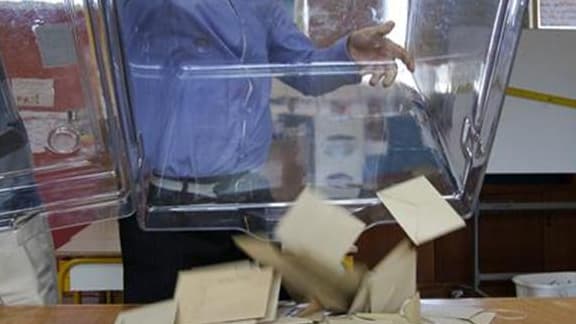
(535, 137)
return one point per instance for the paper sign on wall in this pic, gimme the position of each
(33, 92)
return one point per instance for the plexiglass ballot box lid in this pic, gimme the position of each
(67, 149)
(242, 104)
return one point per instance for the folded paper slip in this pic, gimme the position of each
(332, 291)
(319, 231)
(225, 293)
(420, 210)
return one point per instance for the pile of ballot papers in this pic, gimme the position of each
(313, 240)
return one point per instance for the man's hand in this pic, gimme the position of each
(370, 44)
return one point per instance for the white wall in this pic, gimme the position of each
(535, 137)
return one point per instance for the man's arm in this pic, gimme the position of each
(288, 45)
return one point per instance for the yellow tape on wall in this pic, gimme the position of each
(541, 97)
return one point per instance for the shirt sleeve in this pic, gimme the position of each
(288, 45)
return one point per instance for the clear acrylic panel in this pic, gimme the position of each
(242, 104)
(74, 161)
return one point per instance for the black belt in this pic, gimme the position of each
(205, 180)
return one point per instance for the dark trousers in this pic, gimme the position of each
(152, 260)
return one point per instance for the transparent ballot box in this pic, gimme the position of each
(216, 114)
(241, 105)
(65, 145)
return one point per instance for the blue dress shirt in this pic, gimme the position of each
(199, 126)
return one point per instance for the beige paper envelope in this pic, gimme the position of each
(312, 309)
(347, 320)
(464, 312)
(483, 318)
(317, 317)
(409, 313)
(295, 275)
(293, 320)
(420, 209)
(361, 302)
(393, 280)
(219, 294)
(383, 319)
(347, 281)
(442, 320)
(273, 299)
(158, 313)
(411, 310)
(457, 314)
(318, 230)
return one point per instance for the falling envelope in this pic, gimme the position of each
(393, 280)
(304, 281)
(224, 293)
(420, 209)
(318, 231)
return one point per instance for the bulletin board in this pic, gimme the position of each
(49, 58)
(555, 14)
(49, 61)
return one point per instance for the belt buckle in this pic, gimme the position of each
(195, 191)
(243, 186)
(200, 191)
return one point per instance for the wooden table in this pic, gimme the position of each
(65, 314)
(96, 240)
(515, 310)
(530, 311)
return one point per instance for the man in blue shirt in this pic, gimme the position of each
(201, 132)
